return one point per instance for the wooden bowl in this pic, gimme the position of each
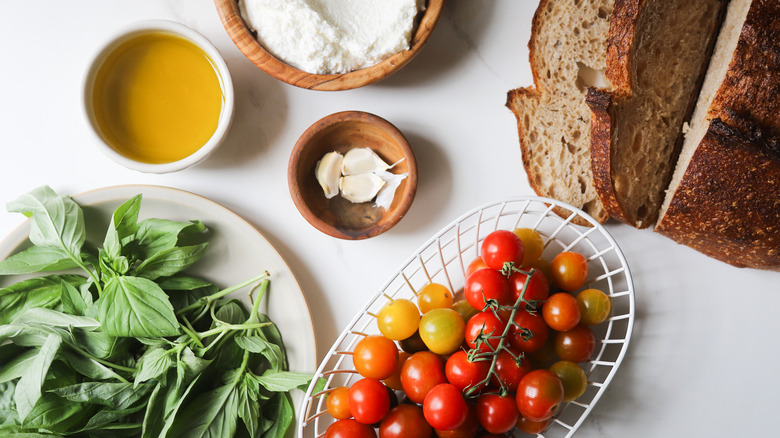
(246, 42)
(341, 132)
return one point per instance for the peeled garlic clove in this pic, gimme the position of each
(328, 172)
(360, 188)
(362, 160)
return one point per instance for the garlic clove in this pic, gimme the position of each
(360, 188)
(362, 160)
(328, 172)
(386, 194)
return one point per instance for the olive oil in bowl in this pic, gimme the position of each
(156, 97)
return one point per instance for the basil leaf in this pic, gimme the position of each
(231, 312)
(36, 259)
(213, 413)
(124, 223)
(283, 381)
(154, 364)
(34, 292)
(136, 307)
(89, 368)
(103, 419)
(279, 409)
(28, 389)
(54, 414)
(184, 283)
(73, 301)
(170, 261)
(248, 407)
(110, 394)
(155, 235)
(14, 368)
(57, 221)
(47, 317)
(257, 344)
(8, 415)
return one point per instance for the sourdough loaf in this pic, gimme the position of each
(567, 52)
(724, 198)
(657, 53)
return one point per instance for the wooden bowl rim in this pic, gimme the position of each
(393, 215)
(247, 43)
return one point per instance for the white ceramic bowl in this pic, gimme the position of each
(225, 116)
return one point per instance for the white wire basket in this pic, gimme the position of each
(444, 259)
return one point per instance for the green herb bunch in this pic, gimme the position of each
(133, 345)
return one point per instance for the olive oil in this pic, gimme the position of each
(157, 98)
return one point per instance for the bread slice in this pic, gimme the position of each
(657, 53)
(567, 52)
(724, 198)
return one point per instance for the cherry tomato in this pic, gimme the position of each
(509, 370)
(405, 421)
(338, 403)
(544, 356)
(434, 296)
(468, 429)
(569, 270)
(497, 414)
(376, 357)
(533, 323)
(501, 246)
(539, 395)
(394, 381)
(576, 345)
(444, 407)
(595, 306)
(542, 264)
(463, 373)
(398, 319)
(349, 429)
(476, 265)
(533, 245)
(574, 380)
(561, 311)
(538, 288)
(413, 343)
(368, 400)
(464, 309)
(488, 328)
(442, 330)
(533, 427)
(484, 285)
(421, 372)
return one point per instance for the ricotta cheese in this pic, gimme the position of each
(332, 36)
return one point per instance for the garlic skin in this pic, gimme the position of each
(360, 188)
(362, 160)
(386, 194)
(328, 172)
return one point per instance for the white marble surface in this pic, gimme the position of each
(703, 356)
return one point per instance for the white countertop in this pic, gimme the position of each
(702, 359)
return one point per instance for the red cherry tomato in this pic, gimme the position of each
(533, 427)
(497, 414)
(538, 329)
(376, 357)
(538, 288)
(468, 429)
(338, 403)
(539, 395)
(349, 429)
(444, 407)
(421, 372)
(508, 371)
(501, 246)
(405, 421)
(576, 345)
(561, 311)
(485, 285)
(569, 270)
(368, 400)
(489, 326)
(466, 374)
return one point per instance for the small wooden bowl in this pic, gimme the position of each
(341, 132)
(246, 42)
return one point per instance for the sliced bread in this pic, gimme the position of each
(724, 197)
(657, 54)
(567, 52)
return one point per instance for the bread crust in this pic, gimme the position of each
(750, 93)
(620, 40)
(727, 205)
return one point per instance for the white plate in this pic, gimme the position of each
(237, 251)
(444, 258)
